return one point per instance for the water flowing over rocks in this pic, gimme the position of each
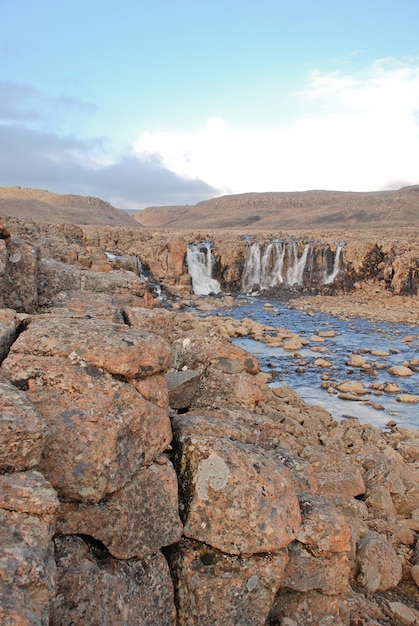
(150, 474)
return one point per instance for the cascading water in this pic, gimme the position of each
(328, 279)
(200, 261)
(296, 264)
(264, 269)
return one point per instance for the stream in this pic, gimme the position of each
(298, 371)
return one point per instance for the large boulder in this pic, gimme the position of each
(94, 588)
(28, 506)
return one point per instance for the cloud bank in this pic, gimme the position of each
(359, 132)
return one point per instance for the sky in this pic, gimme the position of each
(168, 102)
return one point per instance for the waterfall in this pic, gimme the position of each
(264, 269)
(296, 265)
(329, 278)
(251, 272)
(199, 260)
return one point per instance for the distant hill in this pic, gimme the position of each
(54, 208)
(317, 210)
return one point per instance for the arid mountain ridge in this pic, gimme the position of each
(54, 208)
(314, 210)
(317, 210)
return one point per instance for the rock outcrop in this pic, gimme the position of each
(150, 474)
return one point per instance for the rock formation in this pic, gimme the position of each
(132, 492)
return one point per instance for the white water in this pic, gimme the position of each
(328, 279)
(199, 260)
(265, 270)
(297, 265)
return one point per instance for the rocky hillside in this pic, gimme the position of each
(54, 208)
(292, 210)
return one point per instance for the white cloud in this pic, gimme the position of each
(360, 132)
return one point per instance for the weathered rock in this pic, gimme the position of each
(335, 472)
(307, 571)
(101, 430)
(405, 615)
(27, 570)
(115, 348)
(314, 608)
(357, 360)
(302, 473)
(222, 590)
(401, 480)
(158, 321)
(20, 280)
(87, 304)
(352, 386)
(22, 430)
(154, 389)
(400, 370)
(235, 497)
(135, 521)
(380, 568)
(182, 387)
(323, 528)
(94, 588)
(9, 325)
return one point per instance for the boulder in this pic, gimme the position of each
(135, 521)
(182, 387)
(23, 431)
(9, 325)
(94, 588)
(20, 279)
(379, 565)
(101, 430)
(336, 473)
(235, 497)
(219, 589)
(158, 321)
(87, 304)
(28, 505)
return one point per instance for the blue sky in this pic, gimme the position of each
(173, 102)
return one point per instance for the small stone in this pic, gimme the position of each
(400, 370)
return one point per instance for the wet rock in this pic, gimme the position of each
(125, 592)
(357, 360)
(220, 589)
(352, 386)
(380, 568)
(28, 506)
(407, 397)
(400, 370)
(236, 498)
(23, 431)
(135, 521)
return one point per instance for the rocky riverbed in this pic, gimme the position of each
(151, 474)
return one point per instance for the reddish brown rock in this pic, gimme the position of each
(101, 430)
(380, 568)
(335, 472)
(158, 321)
(115, 348)
(4, 234)
(307, 571)
(302, 473)
(323, 528)
(23, 431)
(215, 588)
(93, 588)
(87, 304)
(154, 390)
(27, 570)
(235, 497)
(135, 521)
(304, 609)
